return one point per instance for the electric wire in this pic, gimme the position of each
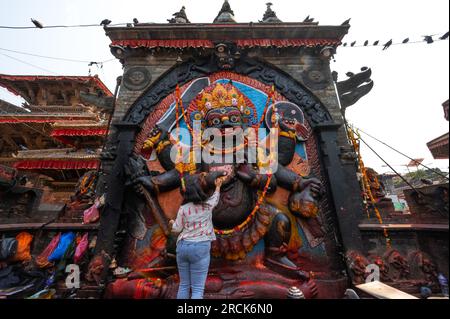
(403, 154)
(385, 162)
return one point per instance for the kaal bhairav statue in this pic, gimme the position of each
(263, 217)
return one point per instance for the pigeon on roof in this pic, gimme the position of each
(105, 22)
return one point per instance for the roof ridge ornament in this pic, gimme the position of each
(180, 16)
(226, 14)
(270, 16)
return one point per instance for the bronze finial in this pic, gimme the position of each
(226, 14)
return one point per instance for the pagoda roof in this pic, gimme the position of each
(439, 147)
(56, 159)
(21, 84)
(244, 34)
(6, 107)
(58, 153)
(11, 118)
(79, 129)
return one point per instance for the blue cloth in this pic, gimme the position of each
(63, 245)
(193, 262)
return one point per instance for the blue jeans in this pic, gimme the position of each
(193, 263)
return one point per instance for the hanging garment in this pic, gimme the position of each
(8, 278)
(92, 214)
(42, 259)
(8, 248)
(64, 243)
(24, 240)
(17, 277)
(81, 249)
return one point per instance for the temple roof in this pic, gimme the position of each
(244, 34)
(439, 147)
(27, 86)
(58, 154)
(45, 117)
(57, 159)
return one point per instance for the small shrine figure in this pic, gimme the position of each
(180, 17)
(270, 16)
(226, 14)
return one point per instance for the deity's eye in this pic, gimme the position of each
(215, 121)
(234, 119)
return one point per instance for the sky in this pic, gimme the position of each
(411, 81)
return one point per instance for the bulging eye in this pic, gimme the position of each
(234, 119)
(215, 121)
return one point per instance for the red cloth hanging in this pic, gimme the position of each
(280, 43)
(241, 43)
(164, 43)
(79, 132)
(57, 164)
(81, 249)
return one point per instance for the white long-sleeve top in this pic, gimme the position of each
(194, 221)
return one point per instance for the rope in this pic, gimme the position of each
(410, 158)
(384, 161)
(27, 63)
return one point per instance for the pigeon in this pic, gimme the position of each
(353, 43)
(406, 40)
(366, 43)
(428, 39)
(425, 292)
(37, 24)
(105, 22)
(426, 181)
(387, 44)
(335, 75)
(135, 21)
(346, 22)
(349, 74)
(376, 42)
(308, 19)
(444, 37)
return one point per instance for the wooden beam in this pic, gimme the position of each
(382, 291)
(404, 227)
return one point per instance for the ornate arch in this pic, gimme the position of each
(316, 113)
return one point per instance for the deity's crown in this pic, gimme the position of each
(220, 95)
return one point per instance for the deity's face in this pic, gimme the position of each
(224, 117)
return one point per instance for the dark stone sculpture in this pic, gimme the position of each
(354, 88)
